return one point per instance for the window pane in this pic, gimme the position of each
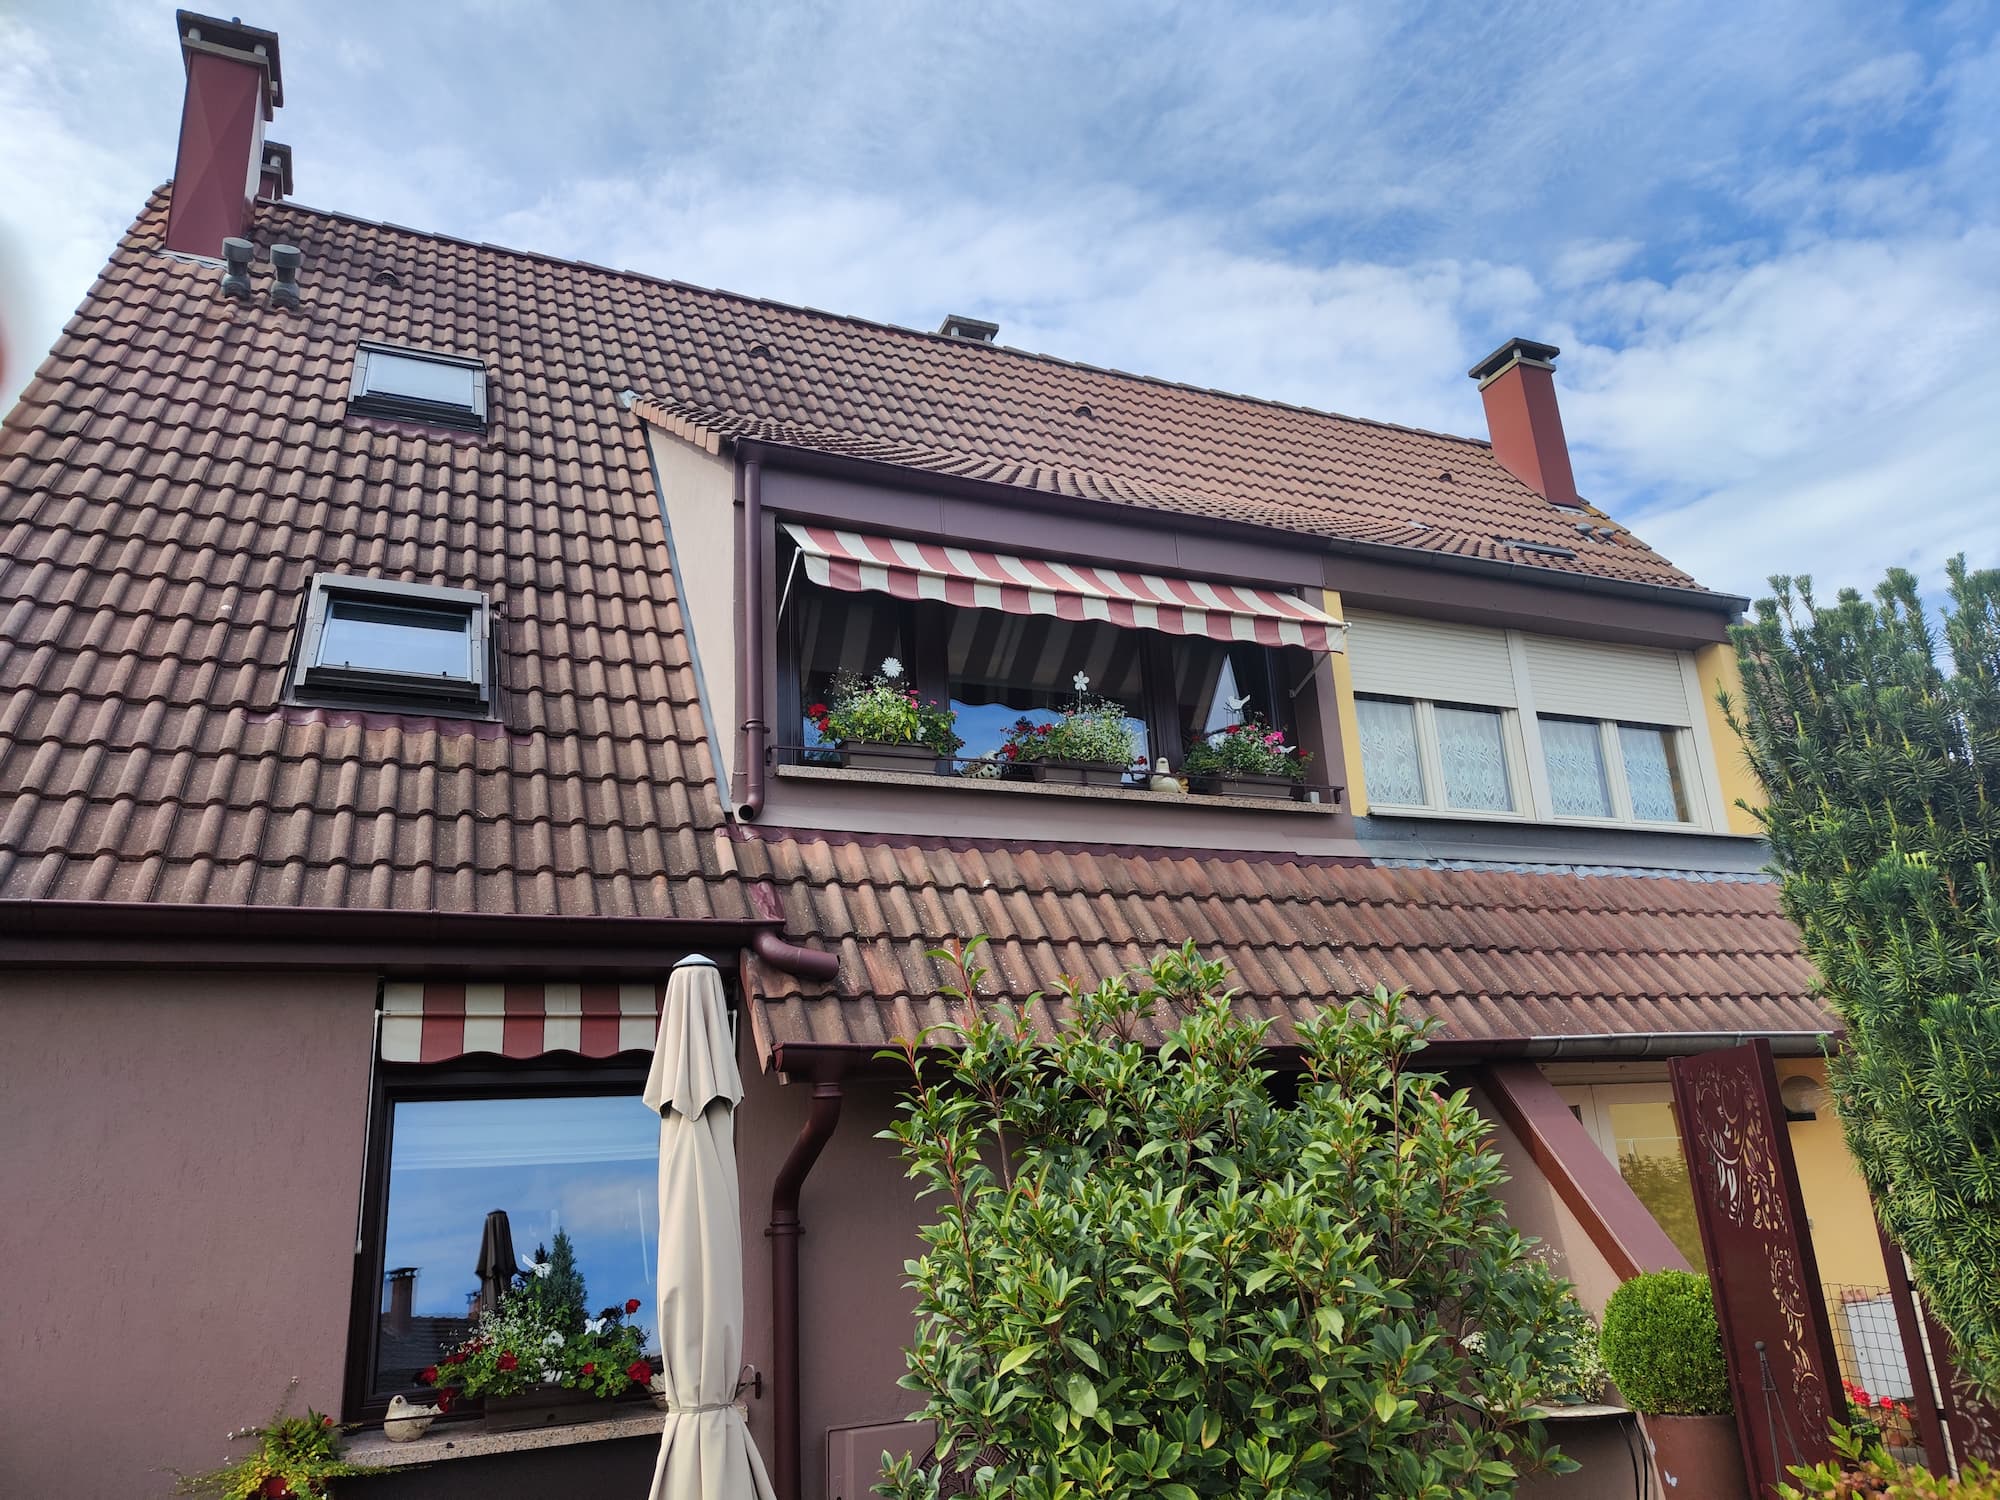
(1475, 760)
(394, 638)
(1646, 1144)
(840, 632)
(1574, 751)
(1393, 770)
(1653, 770)
(1004, 667)
(589, 1165)
(419, 379)
(1217, 684)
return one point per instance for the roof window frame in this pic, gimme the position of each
(326, 685)
(362, 401)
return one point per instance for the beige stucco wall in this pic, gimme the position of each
(698, 495)
(181, 1174)
(1837, 1207)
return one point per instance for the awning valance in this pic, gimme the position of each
(438, 1020)
(858, 562)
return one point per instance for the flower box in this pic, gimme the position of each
(1241, 784)
(547, 1406)
(1079, 772)
(881, 755)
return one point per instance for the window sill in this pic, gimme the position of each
(468, 1440)
(995, 787)
(1455, 815)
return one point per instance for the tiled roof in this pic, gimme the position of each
(168, 482)
(1495, 956)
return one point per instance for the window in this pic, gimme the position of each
(371, 641)
(1634, 1125)
(1439, 756)
(1601, 769)
(547, 1152)
(419, 385)
(996, 667)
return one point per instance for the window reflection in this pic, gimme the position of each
(587, 1164)
(838, 633)
(1004, 667)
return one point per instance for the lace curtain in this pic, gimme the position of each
(1654, 774)
(1475, 760)
(1389, 759)
(1574, 751)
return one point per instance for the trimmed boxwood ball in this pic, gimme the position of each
(1663, 1346)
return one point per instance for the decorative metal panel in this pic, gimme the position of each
(1782, 1369)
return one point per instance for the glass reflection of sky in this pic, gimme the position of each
(589, 1165)
(984, 726)
(427, 642)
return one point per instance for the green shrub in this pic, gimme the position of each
(1663, 1346)
(1094, 729)
(1148, 1277)
(1865, 1471)
(1571, 1372)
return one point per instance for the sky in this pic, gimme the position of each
(1766, 236)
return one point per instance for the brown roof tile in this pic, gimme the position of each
(1496, 956)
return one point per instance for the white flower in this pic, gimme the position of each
(595, 1325)
(555, 1339)
(1081, 681)
(550, 1377)
(891, 667)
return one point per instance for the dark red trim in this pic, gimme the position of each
(1929, 1419)
(1627, 1235)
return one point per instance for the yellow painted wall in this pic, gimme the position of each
(1715, 666)
(1350, 727)
(1843, 1222)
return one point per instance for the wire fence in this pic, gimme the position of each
(1874, 1371)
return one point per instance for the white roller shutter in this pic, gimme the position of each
(1595, 680)
(1406, 658)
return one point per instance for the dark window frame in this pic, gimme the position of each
(396, 1083)
(324, 685)
(926, 625)
(366, 402)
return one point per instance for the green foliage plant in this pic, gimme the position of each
(541, 1335)
(1252, 748)
(1862, 1469)
(1663, 1346)
(885, 710)
(1879, 757)
(1090, 729)
(1574, 1375)
(1148, 1275)
(295, 1457)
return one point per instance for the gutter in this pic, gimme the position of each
(784, 1230)
(143, 934)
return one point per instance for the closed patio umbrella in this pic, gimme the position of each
(496, 1260)
(705, 1449)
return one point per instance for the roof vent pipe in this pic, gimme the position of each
(236, 255)
(285, 268)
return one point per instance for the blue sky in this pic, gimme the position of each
(1766, 236)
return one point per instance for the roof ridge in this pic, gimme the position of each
(856, 320)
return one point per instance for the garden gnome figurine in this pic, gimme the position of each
(1165, 780)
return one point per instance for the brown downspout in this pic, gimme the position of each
(784, 1234)
(807, 963)
(747, 785)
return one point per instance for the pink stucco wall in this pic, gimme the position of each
(180, 1171)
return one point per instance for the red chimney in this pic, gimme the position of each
(233, 85)
(1517, 381)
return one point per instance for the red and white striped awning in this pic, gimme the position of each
(436, 1020)
(858, 562)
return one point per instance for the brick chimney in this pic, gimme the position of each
(233, 85)
(1517, 381)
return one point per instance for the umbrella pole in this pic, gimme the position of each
(784, 1233)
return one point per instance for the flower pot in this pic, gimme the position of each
(1080, 772)
(1243, 784)
(877, 755)
(546, 1406)
(1697, 1456)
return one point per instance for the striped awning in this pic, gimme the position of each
(437, 1020)
(858, 562)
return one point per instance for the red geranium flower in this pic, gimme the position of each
(589, 1368)
(456, 1357)
(428, 1375)
(817, 711)
(506, 1362)
(631, 1305)
(445, 1398)
(640, 1372)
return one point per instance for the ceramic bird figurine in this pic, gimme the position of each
(1164, 780)
(406, 1420)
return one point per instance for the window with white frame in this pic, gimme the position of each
(1463, 721)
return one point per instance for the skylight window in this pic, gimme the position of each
(370, 641)
(419, 385)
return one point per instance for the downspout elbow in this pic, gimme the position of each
(807, 963)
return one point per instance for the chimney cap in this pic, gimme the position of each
(978, 330)
(1507, 353)
(277, 161)
(201, 33)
